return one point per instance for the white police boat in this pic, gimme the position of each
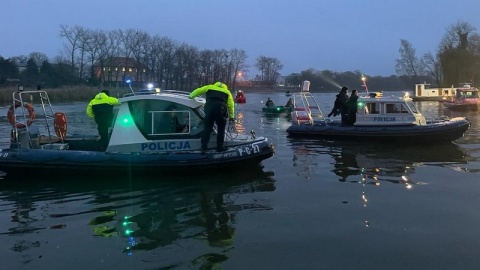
(143, 137)
(379, 119)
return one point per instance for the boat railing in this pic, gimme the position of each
(306, 109)
(177, 92)
(157, 91)
(27, 126)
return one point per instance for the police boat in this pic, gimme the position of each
(379, 119)
(152, 130)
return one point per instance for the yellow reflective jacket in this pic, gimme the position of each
(100, 98)
(218, 86)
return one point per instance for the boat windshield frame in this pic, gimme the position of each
(158, 119)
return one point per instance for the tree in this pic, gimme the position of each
(73, 36)
(30, 76)
(269, 68)
(8, 70)
(432, 67)
(238, 63)
(408, 65)
(457, 56)
(47, 75)
(38, 57)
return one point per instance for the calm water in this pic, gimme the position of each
(314, 205)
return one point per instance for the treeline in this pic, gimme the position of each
(87, 60)
(90, 59)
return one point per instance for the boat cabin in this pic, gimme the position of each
(377, 110)
(423, 91)
(146, 118)
(466, 92)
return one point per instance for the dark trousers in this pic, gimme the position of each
(344, 114)
(352, 117)
(215, 113)
(103, 123)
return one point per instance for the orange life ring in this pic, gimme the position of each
(60, 124)
(31, 115)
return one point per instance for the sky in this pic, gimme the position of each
(336, 35)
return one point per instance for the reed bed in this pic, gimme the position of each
(65, 94)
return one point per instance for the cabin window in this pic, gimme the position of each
(156, 119)
(372, 108)
(396, 108)
(411, 106)
(170, 121)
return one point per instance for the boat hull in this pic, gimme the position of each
(24, 161)
(462, 106)
(439, 131)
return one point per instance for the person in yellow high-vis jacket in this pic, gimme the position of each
(101, 109)
(219, 105)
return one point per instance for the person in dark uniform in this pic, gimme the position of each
(101, 109)
(289, 103)
(269, 103)
(352, 107)
(219, 104)
(340, 105)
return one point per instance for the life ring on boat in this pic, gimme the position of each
(60, 124)
(31, 115)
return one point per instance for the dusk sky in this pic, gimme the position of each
(337, 35)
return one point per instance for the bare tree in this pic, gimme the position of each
(237, 62)
(408, 64)
(98, 49)
(38, 57)
(432, 67)
(206, 66)
(73, 39)
(269, 68)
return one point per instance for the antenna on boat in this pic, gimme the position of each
(364, 83)
(129, 82)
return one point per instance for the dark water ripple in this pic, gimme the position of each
(314, 205)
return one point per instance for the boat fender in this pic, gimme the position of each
(60, 124)
(31, 115)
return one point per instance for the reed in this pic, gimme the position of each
(65, 94)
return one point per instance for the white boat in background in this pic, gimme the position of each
(379, 119)
(423, 92)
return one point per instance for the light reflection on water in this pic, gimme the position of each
(323, 198)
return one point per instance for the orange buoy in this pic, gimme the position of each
(31, 115)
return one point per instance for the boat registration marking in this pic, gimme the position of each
(3, 155)
(241, 151)
(251, 149)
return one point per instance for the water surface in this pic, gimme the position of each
(313, 205)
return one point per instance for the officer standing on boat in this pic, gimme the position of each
(342, 98)
(218, 106)
(352, 107)
(101, 109)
